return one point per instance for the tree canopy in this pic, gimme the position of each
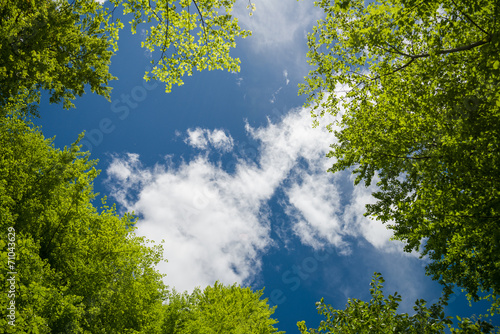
(421, 116)
(61, 46)
(79, 269)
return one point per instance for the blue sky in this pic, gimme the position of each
(228, 170)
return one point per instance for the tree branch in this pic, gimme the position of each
(166, 34)
(154, 12)
(470, 216)
(458, 49)
(409, 157)
(395, 70)
(468, 18)
(424, 55)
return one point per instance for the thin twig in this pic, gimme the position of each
(166, 33)
(202, 21)
(159, 19)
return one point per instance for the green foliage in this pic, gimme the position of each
(79, 269)
(422, 117)
(61, 46)
(379, 315)
(55, 46)
(218, 309)
(187, 37)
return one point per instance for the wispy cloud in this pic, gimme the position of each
(285, 74)
(203, 138)
(314, 207)
(273, 97)
(216, 223)
(372, 230)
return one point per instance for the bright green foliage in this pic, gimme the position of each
(422, 117)
(79, 269)
(58, 46)
(177, 312)
(219, 309)
(188, 35)
(379, 315)
(61, 46)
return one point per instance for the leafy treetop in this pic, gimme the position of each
(79, 269)
(219, 309)
(421, 115)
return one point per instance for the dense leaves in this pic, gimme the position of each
(79, 269)
(60, 46)
(219, 309)
(421, 116)
(379, 315)
(54, 46)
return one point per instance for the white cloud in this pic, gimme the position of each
(196, 138)
(211, 222)
(216, 224)
(202, 138)
(220, 140)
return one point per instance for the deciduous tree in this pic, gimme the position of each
(421, 115)
(78, 268)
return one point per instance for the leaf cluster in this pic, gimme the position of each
(187, 36)
(379, 315)
(54, 46)
(62, 47)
